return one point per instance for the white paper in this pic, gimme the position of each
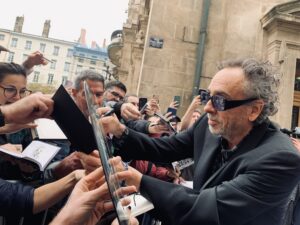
(48, 129)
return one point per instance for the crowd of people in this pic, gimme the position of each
(242, 167)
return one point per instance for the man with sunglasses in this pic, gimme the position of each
(245, 168)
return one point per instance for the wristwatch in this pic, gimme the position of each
(2, 120)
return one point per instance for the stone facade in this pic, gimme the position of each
(266, 29)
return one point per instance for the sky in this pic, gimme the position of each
(99, 17)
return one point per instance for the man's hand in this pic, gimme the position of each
(34, 59)
(154, 106)
(28, 109)
(174, 105)
(67, 165)
(112, 125)
(89, 162)
(296, 143)
(14, 127)
(131, 176)
(196, 102)
(130, 112)
(77, 160)
(89, 200)
(155, 128)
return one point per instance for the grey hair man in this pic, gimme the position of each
(96, 84)
(243, 163)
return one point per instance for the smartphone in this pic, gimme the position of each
(142, 103)
(203, 95)
(177, 99)
(172, 110)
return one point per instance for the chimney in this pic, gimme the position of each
(94, 44)
(19, 24)
(46, 29)
(104, 43)
(82, 37)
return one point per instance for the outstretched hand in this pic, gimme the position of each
(34, 59)
(89, 201)
(28, 109)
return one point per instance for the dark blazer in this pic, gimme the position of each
(252, 188)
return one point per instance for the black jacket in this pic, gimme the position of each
(252, 188)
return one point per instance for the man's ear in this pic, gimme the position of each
(256, 109)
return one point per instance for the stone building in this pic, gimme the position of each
(67, 58)
(173, 49)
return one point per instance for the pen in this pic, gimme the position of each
(47, 59)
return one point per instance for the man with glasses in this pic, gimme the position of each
(115, 91)
(245, 168)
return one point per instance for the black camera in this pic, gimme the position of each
(295, 133)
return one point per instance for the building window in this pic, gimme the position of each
(53, 64)
(2, 36)
(93, 62)
(50, 78)
(56, 50)
(28, 45)
(10, 56)
(36, 77)
(64, 80)
(92, 68)
(80, 60)
(14, 42)
(67, 67)
(42, 47)
(70, 52)
(78, 68)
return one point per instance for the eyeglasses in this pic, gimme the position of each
(219, 102)
(116, 94)
(10, 92)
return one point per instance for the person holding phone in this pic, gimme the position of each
(191, 114)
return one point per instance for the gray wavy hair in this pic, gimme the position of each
(262, 82)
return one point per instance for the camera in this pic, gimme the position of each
(295, 133)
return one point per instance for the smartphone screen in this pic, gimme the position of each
(172, 110)
(142, 103)
(177, 99)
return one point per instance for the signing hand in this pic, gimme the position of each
(129, 112)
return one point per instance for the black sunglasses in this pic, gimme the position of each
(219, 102)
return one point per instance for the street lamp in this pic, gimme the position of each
(110, 72)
